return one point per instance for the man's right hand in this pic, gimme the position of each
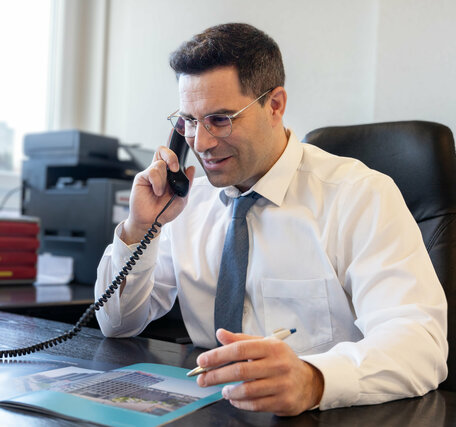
(149, 195)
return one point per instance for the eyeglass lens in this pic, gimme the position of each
(218, 125)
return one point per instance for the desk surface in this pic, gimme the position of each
(27, 296)
(437, 408)
(66, 303)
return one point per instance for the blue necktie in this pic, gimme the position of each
(229, 300)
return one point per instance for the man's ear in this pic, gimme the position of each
(277, 102)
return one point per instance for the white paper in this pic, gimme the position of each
(54, 270)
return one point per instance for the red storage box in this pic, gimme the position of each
(19, 243)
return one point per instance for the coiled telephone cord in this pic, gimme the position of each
(89, 313)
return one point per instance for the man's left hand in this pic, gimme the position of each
(273, 378)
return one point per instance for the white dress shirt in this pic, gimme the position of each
(334, 252)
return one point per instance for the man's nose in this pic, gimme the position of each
(203, 139)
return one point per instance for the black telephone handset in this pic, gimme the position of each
(178, 181)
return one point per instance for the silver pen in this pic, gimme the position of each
(280, 334)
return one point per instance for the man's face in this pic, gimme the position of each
(249, 152)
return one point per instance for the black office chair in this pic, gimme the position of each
(420, 157)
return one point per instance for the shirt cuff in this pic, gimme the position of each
(341, 387)
(122, 252)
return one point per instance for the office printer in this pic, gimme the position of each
(78, 185)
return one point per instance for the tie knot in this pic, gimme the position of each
(242, 204)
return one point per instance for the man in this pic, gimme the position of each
(333, 250)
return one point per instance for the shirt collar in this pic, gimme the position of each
(274, 184)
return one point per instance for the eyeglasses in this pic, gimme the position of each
(218, 125)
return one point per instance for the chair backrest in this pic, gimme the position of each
(420, 157)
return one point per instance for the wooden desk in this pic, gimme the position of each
(437, 408)
(66, 303)
(30, 296)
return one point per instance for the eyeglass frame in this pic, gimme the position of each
(229, 116)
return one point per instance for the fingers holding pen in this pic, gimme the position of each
(235, 351)
(265, 371)
(240, 371)
(254, 359)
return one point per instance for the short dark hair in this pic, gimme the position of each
(255, 55)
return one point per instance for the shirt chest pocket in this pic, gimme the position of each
(300, 304)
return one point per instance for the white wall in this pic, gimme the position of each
(327, 46)
(10, 192)
(76, 94)
(347, 61)
(416, 65)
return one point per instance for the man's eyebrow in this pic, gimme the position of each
(220, 111)
(188, 116)
(223, 111)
